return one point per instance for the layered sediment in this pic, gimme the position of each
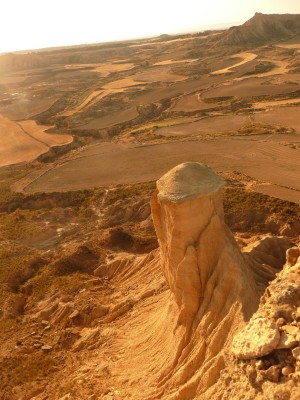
(197, 250)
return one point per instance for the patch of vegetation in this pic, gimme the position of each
(20, 224)
(193, 70)
(283, 96)
(130, 238)
(8, 198)
(23, 369)
(221, 99)
(46, 282)
(239, 199)
(10, 201)
(23, 270)
(261, 68)
(255, 129)
(251, 209)
(258, 128)
(163, 123)
(21, 275)
(121, 192)
(13, 260)
(83, 259)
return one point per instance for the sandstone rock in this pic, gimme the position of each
(272, 374)
(101, 271)
(296, 353)
(46, 348)
(260, 364)
(257, 339)
(280, 322)
(296, 315)
(65, 397)
(47, 328)
(291, 330)
(98, 312)
(287, 293)
(74, 314)
(287, 370)
(286, 341)
(188, 181)
(110, 268)
(270, 251)
(292, 255)
(194, 241)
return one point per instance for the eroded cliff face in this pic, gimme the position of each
(198, 252)
(212, 290)
(267, 349)
(172, 324)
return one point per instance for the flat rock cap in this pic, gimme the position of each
(187, 181)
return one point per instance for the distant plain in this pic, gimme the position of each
(152, 104)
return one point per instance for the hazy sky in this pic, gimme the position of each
(29, 24)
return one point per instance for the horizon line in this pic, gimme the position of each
(203, 28)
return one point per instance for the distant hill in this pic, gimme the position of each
(13, 62)
(83, 54)
(263, 28)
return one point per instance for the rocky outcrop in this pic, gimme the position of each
(197, 249)
(269, 343)
(263, 28)
(275, 324)
(259, 338)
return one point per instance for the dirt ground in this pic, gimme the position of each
(226, 113)
(192, 102)
(251, 87)
(158, 74)
(25, 140)
(111, 119)
(283, 116)
(210, 125)
(265, 159)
